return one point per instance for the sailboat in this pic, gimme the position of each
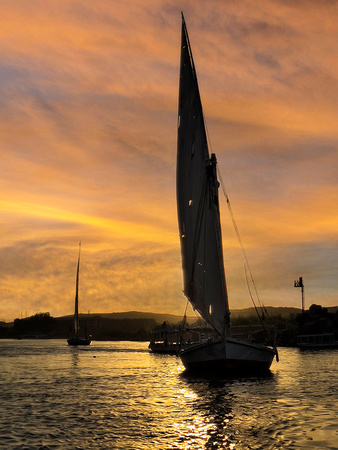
(198, 212)
(76, 340)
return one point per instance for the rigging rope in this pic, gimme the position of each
(182, 329)
(253, 301)
(246, 261)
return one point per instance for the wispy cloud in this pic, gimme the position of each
(88, 117)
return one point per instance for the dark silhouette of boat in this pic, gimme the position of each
(200, 236)
(317, 341)
(173, 339)
(76, 339)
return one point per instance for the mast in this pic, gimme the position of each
(197, 202)
(76, 313)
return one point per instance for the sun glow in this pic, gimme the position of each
(89, 127)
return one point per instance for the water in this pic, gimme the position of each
(116, 395)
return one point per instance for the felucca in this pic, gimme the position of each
(76, 340)
(204, 282)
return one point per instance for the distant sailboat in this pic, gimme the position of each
(76, 340)
(200, 236)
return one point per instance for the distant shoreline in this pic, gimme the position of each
(283, 311)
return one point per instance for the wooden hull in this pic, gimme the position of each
(78, 341)
(229, 355)
(170, 349)
(158, 347)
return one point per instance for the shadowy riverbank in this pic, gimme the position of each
(135, 326)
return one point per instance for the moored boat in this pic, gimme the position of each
(173, 339)
(76, 339)
(165, 339)
(317, 341)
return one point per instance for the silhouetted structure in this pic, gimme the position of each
(299, 284)
(317, 328)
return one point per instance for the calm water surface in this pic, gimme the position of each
(117, 395)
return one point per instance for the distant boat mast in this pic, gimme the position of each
(299, 284)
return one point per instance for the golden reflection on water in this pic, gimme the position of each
(188, 394)
(120, 396)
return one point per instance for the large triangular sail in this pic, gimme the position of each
(76, 313)
(197, 203)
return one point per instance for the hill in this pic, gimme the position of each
(272, 311)
(174, 319)
(158, 318)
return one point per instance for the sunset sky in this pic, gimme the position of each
(88, 104)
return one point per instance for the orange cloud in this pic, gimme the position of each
(88, 110)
